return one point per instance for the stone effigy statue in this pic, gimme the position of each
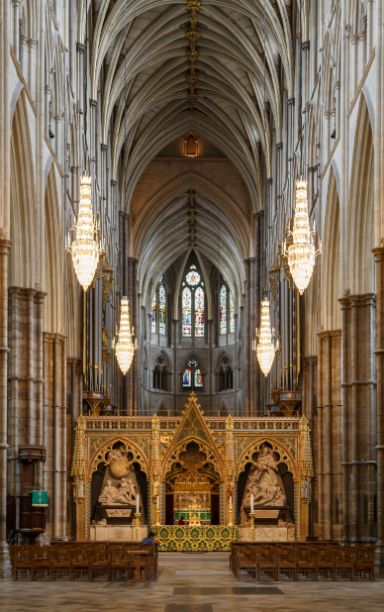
(109, 494)
(264, 482)
(124, 492)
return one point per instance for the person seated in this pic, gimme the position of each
(181, 521)
(149, 539)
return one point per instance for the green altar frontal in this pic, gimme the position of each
(174, 538)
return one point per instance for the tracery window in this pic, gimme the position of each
(223, 310)
(226, 311)
(193, 305)
(159, 310)
(231, 313)
(192, 375)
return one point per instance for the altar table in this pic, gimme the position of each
(202, 538)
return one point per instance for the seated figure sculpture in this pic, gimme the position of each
(122, 494)
(264, 481)
(109, 494)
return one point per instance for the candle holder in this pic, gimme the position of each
(230, 516)
(157, 523)
(252, 519)
(137, 517)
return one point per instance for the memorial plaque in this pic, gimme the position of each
(262, 513)
(119, 512)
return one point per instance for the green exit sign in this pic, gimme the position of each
(39, 498)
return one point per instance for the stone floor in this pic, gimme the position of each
(192, 583)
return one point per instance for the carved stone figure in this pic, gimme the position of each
(127, 491)
(109, 494)
(264, 482)
(124, 492)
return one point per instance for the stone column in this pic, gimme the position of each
(379, 259)
(309, 410)
(73, 411)
(4, 251)
(55, 432)
(253, 379)
(359, 417)
(328, 435)
(25, 380)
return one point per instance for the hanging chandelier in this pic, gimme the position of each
(301, 252)
(267, 345)
(84, 248)
(125, 347)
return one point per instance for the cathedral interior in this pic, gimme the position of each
(192, 271)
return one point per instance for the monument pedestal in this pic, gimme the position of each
(112, 533)
(266, 533)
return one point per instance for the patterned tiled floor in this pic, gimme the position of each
(192, 583)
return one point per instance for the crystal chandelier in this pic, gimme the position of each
(301, 252)
(125, 347)
(84, 249)
(267, 345)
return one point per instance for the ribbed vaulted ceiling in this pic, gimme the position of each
(218, 67)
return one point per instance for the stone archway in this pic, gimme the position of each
(192, 486)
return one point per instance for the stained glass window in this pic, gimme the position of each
(187, 378)
(231, 314)
(162, 310)
(223, 310)
(192, 375)
(193, 304)
(186, 306)
(199, 312)
(154, 313)
(193, 277)
(159, 310)
(198, 378)
(226, 311)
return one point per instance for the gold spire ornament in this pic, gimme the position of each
(267, 344)
(125, 347)
(85, 248)
(301, 252)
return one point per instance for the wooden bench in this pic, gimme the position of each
(85, 560)
(302, 560)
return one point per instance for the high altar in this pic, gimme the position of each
(199, 482)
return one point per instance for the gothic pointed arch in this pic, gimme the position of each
(104, 454)
(193, 298)
(361, 224)
(330, 269)
(193, 428)
(24, 225)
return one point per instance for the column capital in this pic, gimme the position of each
(378, 253)
(5, 245)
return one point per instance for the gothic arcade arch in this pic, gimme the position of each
(24, 271)
(361, 224)
(330, 268)
(54, 260)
